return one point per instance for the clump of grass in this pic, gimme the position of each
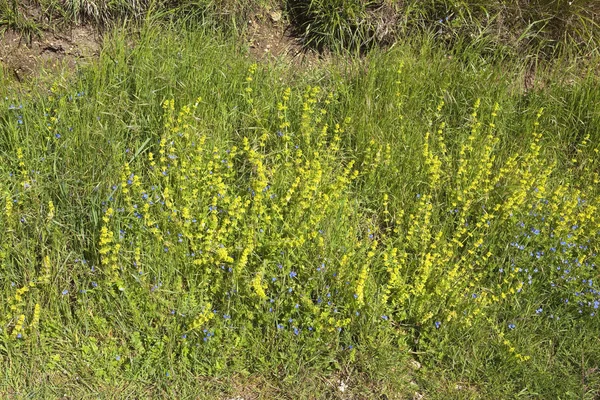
(13, 17)
(336, 25)
(543, 26)
(228, 14)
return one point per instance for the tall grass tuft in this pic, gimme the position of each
(337, 25)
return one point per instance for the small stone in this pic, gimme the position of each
(275, 16)
(415, 364)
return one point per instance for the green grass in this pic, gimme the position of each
(35, 16)
(541, 28)
(545, 28)
(179, 222)
(11, 17)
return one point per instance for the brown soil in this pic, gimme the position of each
(51, 50)
(266, 35)
(269, 37)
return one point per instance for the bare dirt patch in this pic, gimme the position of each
(23, 59)
(269, 37)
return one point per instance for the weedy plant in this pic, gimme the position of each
(177, 211)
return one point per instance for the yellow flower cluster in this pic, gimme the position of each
(17, 305)
(203, 317)
(109, 248)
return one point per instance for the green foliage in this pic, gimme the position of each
(337, 25)
(175, 212)
(545, 26)
(538, 27)
(51, 14)
(12, 16)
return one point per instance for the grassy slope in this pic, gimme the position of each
(77, 134)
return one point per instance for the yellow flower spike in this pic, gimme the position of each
(45, 278)
(17, 331)
(258, 286)
(8, 209)
(51, 211)
(360, 286)
(35, 319)
(203, 317)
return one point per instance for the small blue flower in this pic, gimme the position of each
(438, 324)
(65, 292)
(539, 310)
(511, 326)
(118, 358)
(293, 274)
